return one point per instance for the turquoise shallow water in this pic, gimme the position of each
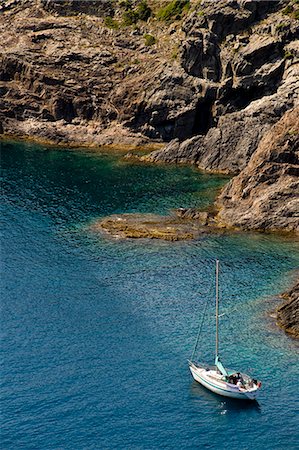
(96, 333)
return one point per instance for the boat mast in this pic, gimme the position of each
(217, 306)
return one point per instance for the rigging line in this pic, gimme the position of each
(200, 326)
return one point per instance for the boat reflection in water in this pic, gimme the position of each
(201, 395)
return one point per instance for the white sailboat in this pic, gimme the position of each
(217, 378)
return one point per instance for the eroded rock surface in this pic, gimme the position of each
(288, 312)
(73, 73)
(253, 79)
(182, 224)
(265, 195)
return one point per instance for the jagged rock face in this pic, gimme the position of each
(228, 16)
(228, 147)
(265, 195)
(65, 74)
(168, 107)
(288, 312)
(258, 82)
(200, 56)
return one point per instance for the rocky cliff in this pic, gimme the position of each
(212, 78)
(288, 312)
(217, 82)
(209, 77)
(265, 195)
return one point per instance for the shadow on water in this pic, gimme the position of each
(224, 404)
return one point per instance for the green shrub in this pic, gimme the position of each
(296, 14)
(281, 25)
(149, 39)
(130, 17)
(288, 55)
(143, 11)
(287, 10)
(126, 4)
(173, 11)
(110, 22)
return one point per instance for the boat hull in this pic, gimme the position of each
(206, 379)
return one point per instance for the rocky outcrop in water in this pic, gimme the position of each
(182, 224)
(288, 312)
(265, 195)
(76, 73)
(213, 81)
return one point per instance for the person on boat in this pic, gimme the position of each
(240, 384)
(232, 379)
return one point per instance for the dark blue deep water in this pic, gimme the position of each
(96, 333)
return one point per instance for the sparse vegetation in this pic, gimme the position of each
(149, 39)
(111, 23)
(288, 55)
(144, 11)
(130, 17)
(126, 4)
(281, 25)
(173, 11)
(288, 10)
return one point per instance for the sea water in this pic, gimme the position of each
(96, 332)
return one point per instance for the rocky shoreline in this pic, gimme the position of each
(215, 84)
(210, 82)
